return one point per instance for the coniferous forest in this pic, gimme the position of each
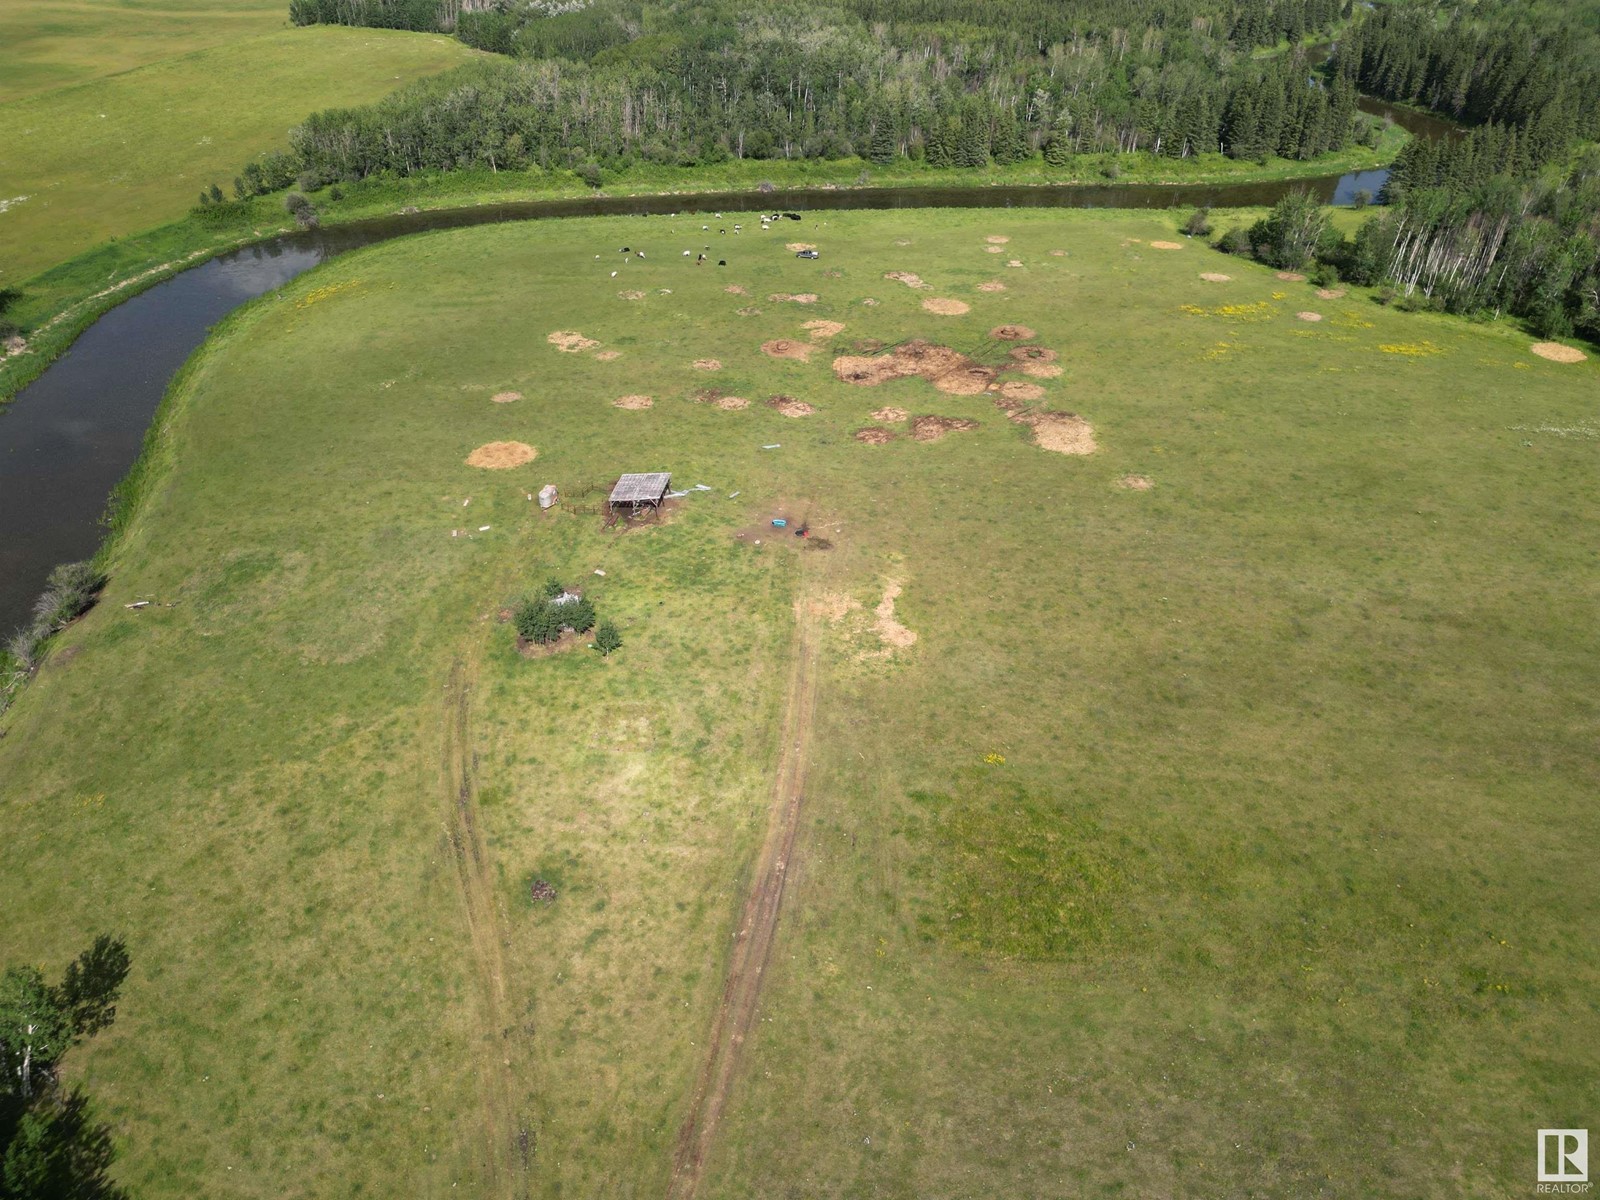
(1504, 217)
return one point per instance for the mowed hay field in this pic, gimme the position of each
(113, 156)
(1221, 836)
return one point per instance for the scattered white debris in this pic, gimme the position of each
(731, 495)
(466, 502)
(484, 528)
(774, 446)
(138, 604)
(700, 487)
(599, 572)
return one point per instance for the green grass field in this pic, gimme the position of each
(114, 156)
(1222, 838)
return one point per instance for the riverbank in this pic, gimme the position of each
(61, 302)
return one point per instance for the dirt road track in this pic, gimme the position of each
(509, 1146)
(758, 923)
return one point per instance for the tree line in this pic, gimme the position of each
(954, 82)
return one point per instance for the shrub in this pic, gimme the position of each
(589, 172)
(579, 614)
(607, 639)
(1235, 241)
(552, 588)
(295, 204)
(539, 621)
(1324, 275)
(1199, 223)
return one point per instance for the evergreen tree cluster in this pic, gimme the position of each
(1528, 68)
(957, 82)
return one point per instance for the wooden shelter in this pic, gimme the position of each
(634, 492)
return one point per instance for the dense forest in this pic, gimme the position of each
(955, 82)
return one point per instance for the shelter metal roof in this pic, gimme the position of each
(634, 489)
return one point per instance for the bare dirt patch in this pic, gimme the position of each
(1015, 262)
(787, 348)
(1135, 483)
(945, 308)
(874, 435)
(991, 285)
(1166, 245)
(749, 310)
(889, 630)
(1063, 433)
(1291, 276)
(1058, 254)
(997, 239)
(914, 358)
(1012, 333)
(970, 380)
(869, 302)
(1036, 354)
(608, 355)
(726, 403)
(631, 295)
(931, 429)
(505, 397)
(793, 297)
(796, 247)
(1330, 293)
(890, 413)
(822, 330)
(1215, 277)
(1017, 390)
(1556, 352)
(790, 407)
(907, 278)
(1036, 370)
(501, 456)
(993, 250)
(708, 364)
(733, 289)
(571, 342)
(633, 402)
(1309, 316)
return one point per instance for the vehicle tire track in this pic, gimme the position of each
(509, 1139)
(758, 922)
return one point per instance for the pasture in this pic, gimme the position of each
(1203, 814)
(113, 156)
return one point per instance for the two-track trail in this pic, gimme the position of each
(758, 922)
(508, 1138)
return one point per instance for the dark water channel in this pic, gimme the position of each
(70, 435)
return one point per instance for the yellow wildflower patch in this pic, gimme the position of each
(1411, 349)
(318, 295)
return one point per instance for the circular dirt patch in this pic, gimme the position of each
(1135, 483)
(1012, 333)
(571, 342)
(505, 397)
(793, 297)
(992, 285)
(970, 380)
(822, 330)
(1290, 277)
(931, 429)
(993, 250)
(733, 289)
(1033, 354)
(608, 355)
(796, 247)
(1330, 293)
(1015, 262)
(1309, 316)
(1042, 370)
(946, 308)
(1058, 254)
(997, 239)
(1215, 277)
(790, 407)
(786, 348)
(1062, 433)
(890, 413)
(870, 302)
(749, 310)
(1166, 245)
(1017, 390)
(501, 456)
(874, 435)
(732, 403)
(631, 295)
(1556, 352)
(907, 278)
(708, 364)
(632, 402)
